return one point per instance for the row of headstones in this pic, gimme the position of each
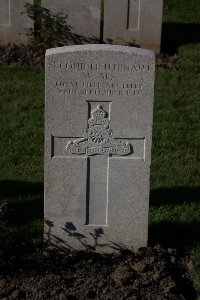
(136, 22)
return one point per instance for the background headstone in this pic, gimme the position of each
(12, 22)
(99, 106)
(136, 22)
(84, 16)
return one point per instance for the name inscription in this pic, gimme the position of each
(98, 79)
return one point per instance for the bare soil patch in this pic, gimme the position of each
(153, 273)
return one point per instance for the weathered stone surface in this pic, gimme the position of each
(135, 22)
(12, 22)
(4, 12)
(83, 15)
(99, 106)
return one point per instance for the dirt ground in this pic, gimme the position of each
(28, 272)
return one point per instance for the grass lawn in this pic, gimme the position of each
(21, 147)
(175, 171)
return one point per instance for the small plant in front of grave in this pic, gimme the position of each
(50, 29)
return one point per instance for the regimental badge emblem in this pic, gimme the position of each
(100, 140)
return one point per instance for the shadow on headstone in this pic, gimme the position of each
(178, 235)
(175, 35)
(54, 29)
(123, 42)
(53, 242)
(76, 39)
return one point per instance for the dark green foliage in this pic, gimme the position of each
(50, 29)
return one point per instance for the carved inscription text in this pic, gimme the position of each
(118, 67)
(99, 79)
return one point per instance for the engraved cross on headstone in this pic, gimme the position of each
(99, 146)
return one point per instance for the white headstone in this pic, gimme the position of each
(12, 22)
(83, 15)
(99, 106)
(136, 22)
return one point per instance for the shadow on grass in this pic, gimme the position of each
(24, 201)
(176, 195)
(175, 35)
(178, 234)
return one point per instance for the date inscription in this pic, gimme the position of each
(98, 88)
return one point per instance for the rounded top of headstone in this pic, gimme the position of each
(101, 47)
